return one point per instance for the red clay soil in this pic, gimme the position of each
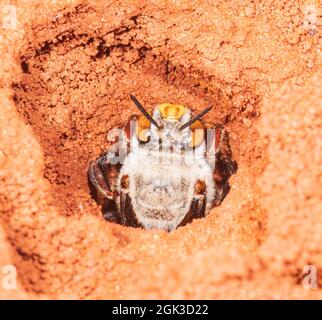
(66, 74)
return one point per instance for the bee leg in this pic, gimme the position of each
(219, 156)
(127, 214)
(222, 187)
(110, 212)
(102, 176)
(98, 182)
(224, 168)
(198, 204)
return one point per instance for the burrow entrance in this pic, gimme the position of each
(75, 86)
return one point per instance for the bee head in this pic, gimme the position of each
(172, 123)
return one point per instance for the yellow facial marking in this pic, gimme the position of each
(172, 112)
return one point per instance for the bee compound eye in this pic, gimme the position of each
(142, 129)
(197, 134)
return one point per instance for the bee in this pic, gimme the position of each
(165, 170)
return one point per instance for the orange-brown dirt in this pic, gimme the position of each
(66, 73)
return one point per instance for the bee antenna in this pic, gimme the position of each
(145, 113)
(195, 118)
